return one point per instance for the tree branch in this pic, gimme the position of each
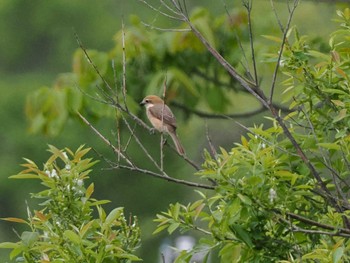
(260, 96)
(132, 167)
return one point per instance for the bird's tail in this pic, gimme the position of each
(177, 143)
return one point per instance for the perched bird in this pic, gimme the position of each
(162, 119)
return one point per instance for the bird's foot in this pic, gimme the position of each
(152, 131)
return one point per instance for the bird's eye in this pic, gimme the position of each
(147, 101)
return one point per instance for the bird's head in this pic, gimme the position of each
(151, 100)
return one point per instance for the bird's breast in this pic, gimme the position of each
(157, 123)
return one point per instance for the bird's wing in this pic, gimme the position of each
(168, 117)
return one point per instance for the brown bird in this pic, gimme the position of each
(162, 119)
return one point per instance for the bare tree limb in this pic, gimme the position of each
(248, 4)
(132, 167)
(284, 39)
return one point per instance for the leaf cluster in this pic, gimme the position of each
(192, 76)
(269, 206)
(64, 230)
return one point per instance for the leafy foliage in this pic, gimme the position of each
(151, 56)
(268, 206)
(65, 230)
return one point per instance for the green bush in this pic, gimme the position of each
(64, 230)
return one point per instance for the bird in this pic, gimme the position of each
(162, 118)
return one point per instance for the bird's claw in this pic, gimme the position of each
(152, 131)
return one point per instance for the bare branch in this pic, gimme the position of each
(91, 62)
(251, 87)
(276, 15)
(124, 67)
(132, 167)
(284, 39)
(166, 29)
(217, 115)
(318, 224)
(106, 141)
(211, 146)
(159, 11)
(167, 178)
(249, 5)
(335, 232)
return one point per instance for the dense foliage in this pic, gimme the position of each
(268, 205)
(64, 230)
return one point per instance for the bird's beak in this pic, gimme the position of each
(142, 103)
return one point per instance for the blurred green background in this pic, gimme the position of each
(36, 44)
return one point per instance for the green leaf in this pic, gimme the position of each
(342, 114)
(245, 199)
(89, 191)
(113, 215)
(86, 228)
(335, 91)
(273, 38)
(160, 229)
(337, 254)
(129, 256)
(72, 236)
(99, 202)
(16, 251)
(25, 176)
(318, 54)
(329, 146)
(173, 227)
(287, 175)
(9, 245)
(230, 253)
(29, 238)
(175, 210)
(242, 234)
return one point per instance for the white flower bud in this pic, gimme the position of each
(272, 195)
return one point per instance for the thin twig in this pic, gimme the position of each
(295, 228)
(254, 90)
(91, 62)
(209, 115)
(264, 140)
(119, 140)
(284, 39)
(166, 29)
(249, 5)
(211, 146)
(318, 224)
(276, 15)
(159, 11)
(162, 121)
(169, 8)
(106, 141)
(138, 141)
(161, 176)
(124, 67)
(115, 80)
